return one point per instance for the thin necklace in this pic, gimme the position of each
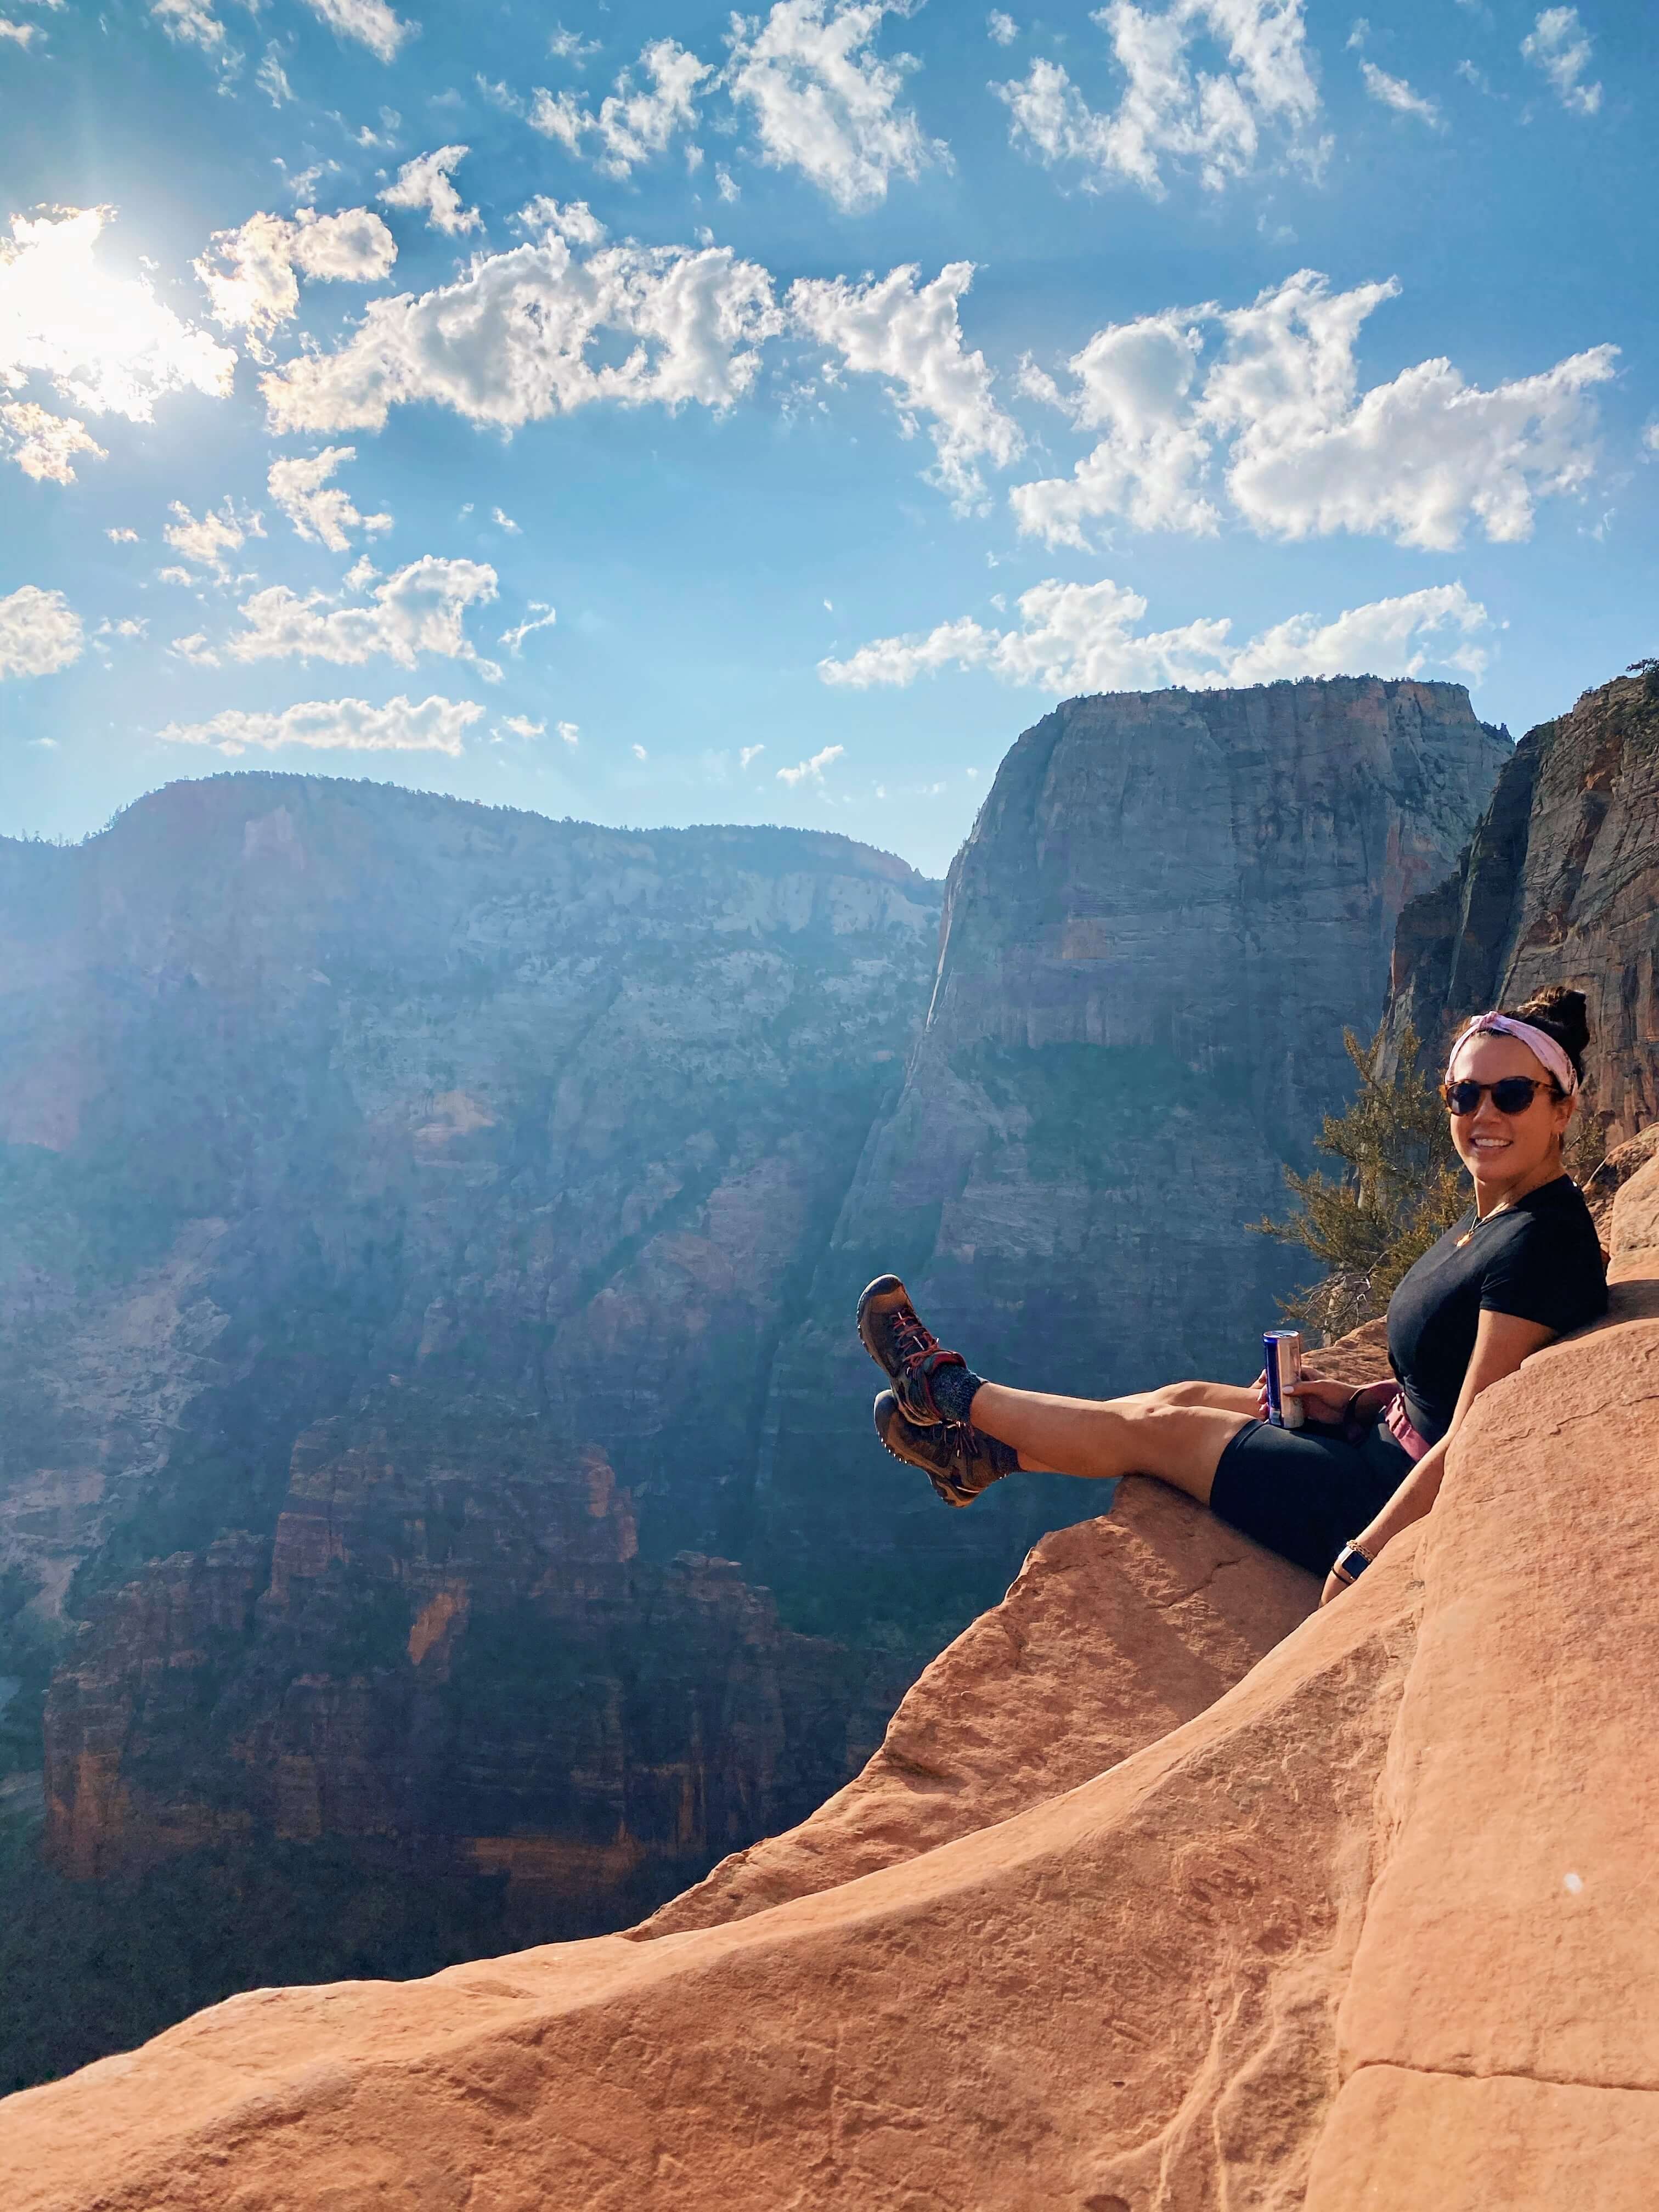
(1481, 1220)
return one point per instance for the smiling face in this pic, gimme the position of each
(1508, 1154)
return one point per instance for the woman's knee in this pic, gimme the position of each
(1182, 1393)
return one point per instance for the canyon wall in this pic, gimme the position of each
(1559, 885)
(432, 1442)
(399, 1204)
(1170, 907)
(1370, 1929)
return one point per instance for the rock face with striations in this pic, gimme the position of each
(1171, 906)
(1559, 885)
(399, 1204)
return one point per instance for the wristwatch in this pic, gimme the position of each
(1351, 1562)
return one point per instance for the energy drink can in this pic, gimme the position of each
(1281, 1351)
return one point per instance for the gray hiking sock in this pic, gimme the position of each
(953, 1391)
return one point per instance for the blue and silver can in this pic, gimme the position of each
(1281, 1355)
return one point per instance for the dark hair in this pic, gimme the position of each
(1561, 1014)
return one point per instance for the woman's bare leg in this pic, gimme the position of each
(1177, 1433)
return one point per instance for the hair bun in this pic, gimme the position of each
(1564, 1014)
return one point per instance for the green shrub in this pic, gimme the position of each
(1400, 1189)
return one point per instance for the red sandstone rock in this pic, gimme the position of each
(1116, 1632)
(1373, 1930)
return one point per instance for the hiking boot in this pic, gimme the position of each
(907, 1353)
(956, 1458)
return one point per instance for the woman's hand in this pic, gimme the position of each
(1324, 1401)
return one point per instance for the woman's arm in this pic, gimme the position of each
(1502, 1341)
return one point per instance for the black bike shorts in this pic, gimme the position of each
(1304, 1492)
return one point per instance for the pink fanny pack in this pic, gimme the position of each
(1396, 1420)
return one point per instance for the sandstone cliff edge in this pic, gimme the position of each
(1370, 1929)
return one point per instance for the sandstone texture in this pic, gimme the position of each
(1117, 1630)
(1559, 885)
(1369, 1930)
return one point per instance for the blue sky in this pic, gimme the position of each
(648, 414)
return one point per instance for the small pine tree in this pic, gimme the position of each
(1402, 1189)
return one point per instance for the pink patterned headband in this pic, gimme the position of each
(1550, 1055)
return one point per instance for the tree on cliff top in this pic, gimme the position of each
(1401, 1190)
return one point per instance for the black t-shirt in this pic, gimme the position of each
(1539, 1259)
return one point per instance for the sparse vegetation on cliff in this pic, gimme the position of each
(1401, 1190)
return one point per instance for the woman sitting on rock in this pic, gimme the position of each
(1523, 1265)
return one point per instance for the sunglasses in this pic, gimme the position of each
(1513, 1094)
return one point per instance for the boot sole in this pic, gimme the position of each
(921, 1467)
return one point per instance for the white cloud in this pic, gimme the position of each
(352, 247)
(823, 103)
(122, 537)
(1169, 111)
(209, 538)
(272, 78)
(1415, 458)
(570, 731)
(505, 522)
(1399, 636)
(630, 125)
(1558, 44)
(1003, 28)
(509, 343)
(545, 618)
(1083, 637)
(44, 446)
(193, 23)
(521, 726)
(910, 334)
(726, 185)
(1358, 31)
(419, 609)
(424, 184)
(1650, 437)
(747, 753)
(639, 752)
(572, 220)
(318, 509)
(17, 35)
(435, 725)
(107, 344)
(1393, 92)
(1134, 383)
(249, 273)
(570, 46)
(175, 576)
(1306, 451)
(370, 22)
(40, 633)
(811, 771)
